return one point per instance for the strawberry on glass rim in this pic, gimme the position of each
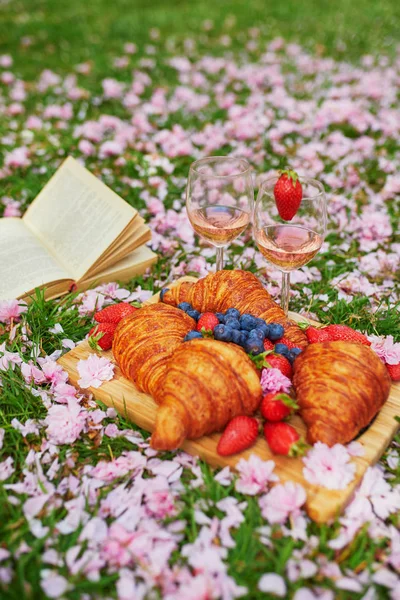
(288, 193)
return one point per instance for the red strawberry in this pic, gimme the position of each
(268, 345)
(288, 194)
(315, 335)
(277, 361)
(394, 371)
(346, 334)
(114, 313)
(276, 406)
(282, 438)
(207, 320)
(284, 340)
(240, 433)
(101, 336)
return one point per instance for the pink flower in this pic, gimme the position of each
(271, 583)
(386, 348)
(2, 432)
(94, 370)
(8, 359)
(53, 584)
(111, 148)
(272, 380)
(329, 467)
(33, 122)
(91, 301)
(115, 549)
(30, 426)
(6, 468)
(86, 147)
(159, 498)
(65, 422)
(6, 61)
(283, 501)
(53, 371)
(112, 88)
(13, 209)
(11, 309)
(130, 48)
(113, 469)
(17, 158)
(254, 475)
(32, 373)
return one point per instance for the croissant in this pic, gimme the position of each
(340, 386)
(144, 341)
(207, 383)
(234, 289)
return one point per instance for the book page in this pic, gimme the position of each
(131, 265)
(77, 217)
(25, 264)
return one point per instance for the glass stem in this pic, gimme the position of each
(285, 292)
(220, 259)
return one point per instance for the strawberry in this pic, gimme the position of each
(315, 335)
(101, 336)
(114, 313)
(207, 321)
(394, 371)
(240, 433)
(282, 438)
(268, 345)
(288, 194)
(277, 361)
(346, 334)
(284, 340)
(276, 406)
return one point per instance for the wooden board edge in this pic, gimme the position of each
(315, 494)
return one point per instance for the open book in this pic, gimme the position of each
(76, 231)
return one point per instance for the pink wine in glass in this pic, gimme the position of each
(288, 246)
(219, 224)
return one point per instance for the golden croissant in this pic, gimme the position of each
(144, 341)
(340, 387)
(234, 289)
(206, 384)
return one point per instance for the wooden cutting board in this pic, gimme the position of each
(322, 504)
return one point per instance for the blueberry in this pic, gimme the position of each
(237, 337)
(282, 349)
(254, 346)
(276, 331)
(223, 333)
(232, 322)
(162, 293)
(296, 351)
(292, 356)
(192, 335)
(263, 327)
(193, 313)
(248, 322)
(232, 312)
(185, 306)
(257, 333)
(220, 317)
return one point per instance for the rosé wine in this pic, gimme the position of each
(288, 246)
(219, 224)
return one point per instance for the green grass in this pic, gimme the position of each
(67, 32)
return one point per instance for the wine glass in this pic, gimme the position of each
(289, 245)
(219, 200)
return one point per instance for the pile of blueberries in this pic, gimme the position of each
(244, 330)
